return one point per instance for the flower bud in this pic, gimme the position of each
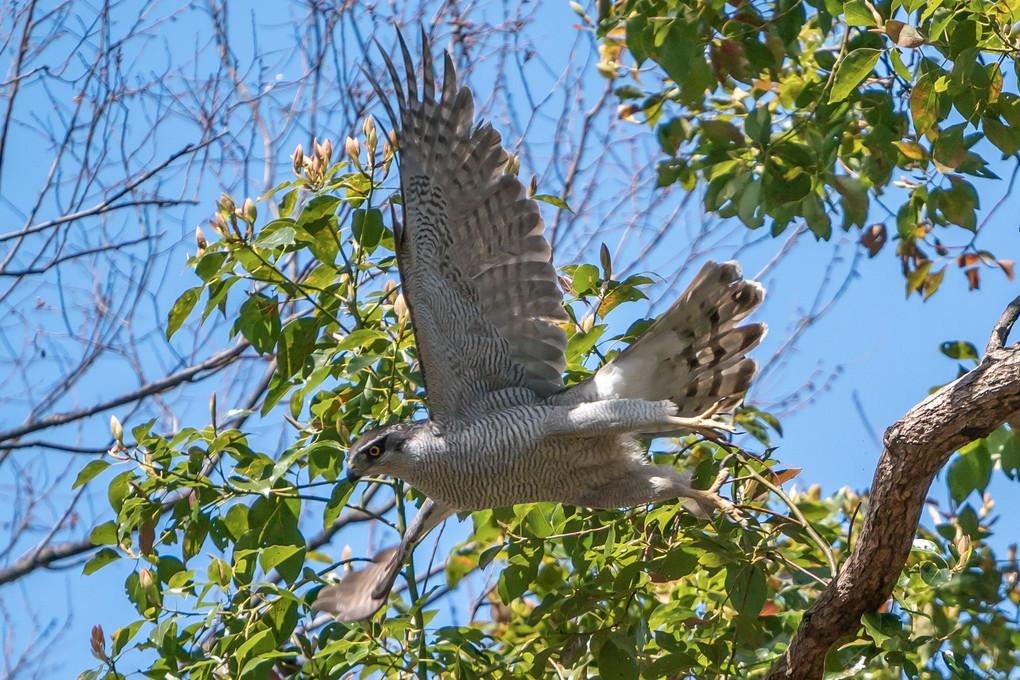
(200, 239)
(219, 224)
(353, 149)
(313, 165)
(226, 204)
(513, 165)
(371, 136)
(400, 308)
(298, 159)
(387, 156)
(117, 430)
(250, 213)
(98, 643)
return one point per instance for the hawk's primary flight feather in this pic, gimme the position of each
(477, 276)
(475, 267)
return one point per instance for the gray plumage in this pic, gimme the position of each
(485, 304)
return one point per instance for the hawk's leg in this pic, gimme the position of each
(652, 483)
(622, 416)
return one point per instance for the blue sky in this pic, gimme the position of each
(883, 347)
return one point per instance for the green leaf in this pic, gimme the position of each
(580, 343)
(318, 221)
(638, 38)
(367, 227)
(276, 238)
(538, 523)
(102, 558)
(924, 102)
(362, 337)
(616, 658)
(297, 341)
(1005, 138)
(682, 57)
(970, 471)
(259, 642)
(219, 572)
(817, 219)
(856, 13)
(959, 350)
(124, 635)
(338, 498)
(179, 312)
(89, 472)
(259, 322)
(915, 278)
(960, 203)
(553, 200)
(949, 150)
(881, 627)
(209, 264)
(104, 534)
(855, 67)
(275, 555)
(585, 278)
(1009, 458)
(747, 588)
(758, 125)
(899, 66)
(288, 202)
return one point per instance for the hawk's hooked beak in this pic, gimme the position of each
(352, 476)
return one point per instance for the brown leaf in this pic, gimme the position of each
(1007, 267)
(974, 278)
(783, 476)
(873, 238)
(146, 535)
(770, 608)
(627, 111)
(967, 259)
(903, 34)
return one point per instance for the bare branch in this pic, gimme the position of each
(1002, 327)
(212, 364)
(44, 557)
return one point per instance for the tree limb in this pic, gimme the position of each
(212, 364)
(916, 448)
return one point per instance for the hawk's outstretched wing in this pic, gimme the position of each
(362, 593)
(475, 266)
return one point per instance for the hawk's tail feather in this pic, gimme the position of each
(694, 354)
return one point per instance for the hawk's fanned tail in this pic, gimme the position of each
(694, 354)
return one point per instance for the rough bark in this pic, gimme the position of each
(916, 448)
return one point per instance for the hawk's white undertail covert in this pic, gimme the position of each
(485, 306)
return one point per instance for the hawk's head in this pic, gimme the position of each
(379, 451)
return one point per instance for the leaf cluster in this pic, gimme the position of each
(870, 116)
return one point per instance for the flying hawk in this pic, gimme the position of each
(486, 307)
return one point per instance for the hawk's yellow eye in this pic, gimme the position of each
(374, 451)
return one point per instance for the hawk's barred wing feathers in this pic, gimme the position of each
(474, 263)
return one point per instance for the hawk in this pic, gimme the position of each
(486, 306)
